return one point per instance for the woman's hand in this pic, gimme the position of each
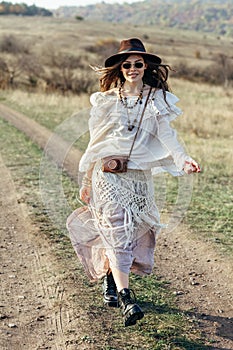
(191, 167)
(85, 193)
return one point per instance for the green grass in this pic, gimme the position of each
(206, 128)
(164, 327)
(210, 212)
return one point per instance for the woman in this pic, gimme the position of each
(115, 233)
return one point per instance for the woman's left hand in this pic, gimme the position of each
(192, 167)
(85, 194)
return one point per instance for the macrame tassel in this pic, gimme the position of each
(128, 197)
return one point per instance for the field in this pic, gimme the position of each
(206, 130)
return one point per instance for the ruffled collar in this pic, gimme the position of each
(160, 106)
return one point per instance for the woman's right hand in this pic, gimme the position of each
(85, 194)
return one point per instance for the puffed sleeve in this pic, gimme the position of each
(99, 126)
(167, 108)
(98, 101)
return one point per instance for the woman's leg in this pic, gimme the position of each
(131, 312)
(121, 279)
(114, 281)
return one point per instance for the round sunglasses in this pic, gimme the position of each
(129, 65)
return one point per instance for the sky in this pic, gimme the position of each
(53, 4)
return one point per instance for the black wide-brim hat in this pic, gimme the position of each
(129, 47)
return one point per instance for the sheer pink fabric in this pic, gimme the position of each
(119, 227)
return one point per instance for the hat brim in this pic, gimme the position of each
(112, 60)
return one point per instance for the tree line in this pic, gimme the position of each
(209, 16)
(7, 8)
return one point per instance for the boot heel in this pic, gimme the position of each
(134, 315)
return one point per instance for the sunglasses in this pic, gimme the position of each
(129, 65)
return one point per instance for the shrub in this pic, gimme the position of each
(67, 80)
(31, 68)
(198, 54)
(84, 83)
(11, 44)
(219, 73)
(4, 74)
(104, 48)
(79, 18)
(60, 60)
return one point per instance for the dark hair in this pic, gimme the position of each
(155, 75)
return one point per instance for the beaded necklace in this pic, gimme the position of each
(124, 100)
(132, 124)
(129, 107)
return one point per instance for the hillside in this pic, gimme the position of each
(200, 15)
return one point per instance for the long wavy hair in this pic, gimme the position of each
(155, 75)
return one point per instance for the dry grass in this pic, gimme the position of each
(71, 36)
(53, 54)
(206, 107)
(49, 110)
(206, 124)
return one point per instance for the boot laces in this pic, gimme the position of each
(127, 299)
(110, 285)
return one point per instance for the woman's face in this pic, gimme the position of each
(133, 68)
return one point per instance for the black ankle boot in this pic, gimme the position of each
(110, 291)
(130, 310)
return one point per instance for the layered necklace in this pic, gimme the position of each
(130, 107)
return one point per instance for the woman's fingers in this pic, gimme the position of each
(85, 194)
(196, 167)
(192, 167)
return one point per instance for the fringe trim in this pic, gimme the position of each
(131, 192)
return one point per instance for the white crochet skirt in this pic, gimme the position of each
(119, 227)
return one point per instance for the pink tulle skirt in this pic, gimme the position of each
(118, 228)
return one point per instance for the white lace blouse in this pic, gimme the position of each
(156, 146)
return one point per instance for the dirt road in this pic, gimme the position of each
(29, 279)
(36, 308)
